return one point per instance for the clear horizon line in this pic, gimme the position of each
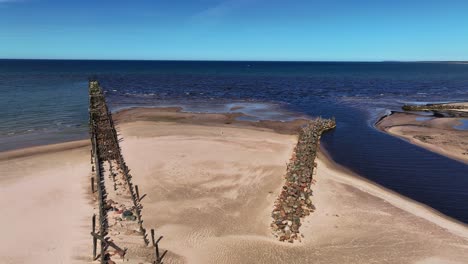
(220, 60)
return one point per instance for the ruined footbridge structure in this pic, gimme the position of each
(118, 231)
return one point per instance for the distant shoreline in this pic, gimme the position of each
(436, 134)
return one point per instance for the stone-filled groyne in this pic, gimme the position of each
(294, 201)
(427, 107)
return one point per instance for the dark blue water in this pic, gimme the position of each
(46, 101)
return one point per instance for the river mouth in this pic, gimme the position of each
(410, 170)
(356, 94)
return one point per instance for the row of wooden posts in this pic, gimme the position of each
(102, 195)
(105, 147)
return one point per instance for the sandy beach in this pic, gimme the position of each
(210, 190)
(44, 192)
(210, 184)
(435, 134)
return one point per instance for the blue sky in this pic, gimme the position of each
(350, 30)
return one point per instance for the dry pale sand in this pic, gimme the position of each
(210, 191)
(437, 135)
(46, 211)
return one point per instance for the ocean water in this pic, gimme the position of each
(46, 101)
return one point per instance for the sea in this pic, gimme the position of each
(46, 101)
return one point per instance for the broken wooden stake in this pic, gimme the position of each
(120, 251)
(162, 256)
(156, 248)
(152, 237)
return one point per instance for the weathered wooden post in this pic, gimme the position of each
(137, 192)
(94, 238)
(105, 147)
(152, 236)
(155, 245)
(159, 257)
(162, 256)
(157, 254)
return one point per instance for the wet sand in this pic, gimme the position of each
(435, 134)
(210, 189)
(175, 114)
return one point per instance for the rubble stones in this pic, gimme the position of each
(294, 201)
(432, 107)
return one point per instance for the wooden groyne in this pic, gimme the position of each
(294, 201)
(111, 184)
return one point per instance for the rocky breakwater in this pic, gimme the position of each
(429, 107)
(294, 201)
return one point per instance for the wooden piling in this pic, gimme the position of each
(137, 193)
(155, 243)
(105, 147)
(152, 237)
(94, 239)
(157, 253)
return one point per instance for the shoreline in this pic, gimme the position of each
(349, 211)
(191, 196)
(396, 199)
(235, 111)
(323, 156)
(435, 134)
(43, 149)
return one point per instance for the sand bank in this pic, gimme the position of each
(175, 114)
(210, 191)
(435, 134)
(46, 210)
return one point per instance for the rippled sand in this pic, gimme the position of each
(210, 190)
